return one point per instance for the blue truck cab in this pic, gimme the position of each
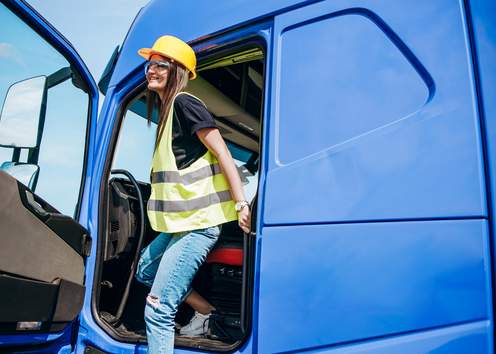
(364, 132)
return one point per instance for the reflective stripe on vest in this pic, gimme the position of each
(192, 198)
(189, 205)
(188, 178)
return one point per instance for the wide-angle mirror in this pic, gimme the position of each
(21, 113)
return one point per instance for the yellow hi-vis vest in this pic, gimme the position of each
(195, 197)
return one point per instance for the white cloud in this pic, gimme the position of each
(8, 51)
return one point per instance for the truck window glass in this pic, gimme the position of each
(61, 139)
(134, 152)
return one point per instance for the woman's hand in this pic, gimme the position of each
(244, 219)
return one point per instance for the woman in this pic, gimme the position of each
(195, 189)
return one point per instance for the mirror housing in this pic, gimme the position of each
(23, 113)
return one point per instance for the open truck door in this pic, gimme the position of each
(47, 128)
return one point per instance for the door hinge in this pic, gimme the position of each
(86, 246)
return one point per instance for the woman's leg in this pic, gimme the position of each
(148, 266)
(199, 303)
(150, 259)
(182, 258)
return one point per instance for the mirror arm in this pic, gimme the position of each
(34, 153)
(16, 155)
(78, 82)
(58, 77)
(108, 71)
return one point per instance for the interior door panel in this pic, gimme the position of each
(41, 261)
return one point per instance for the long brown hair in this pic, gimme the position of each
(177, 80)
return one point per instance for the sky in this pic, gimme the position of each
(93, 27)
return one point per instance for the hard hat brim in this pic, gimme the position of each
(148, 52)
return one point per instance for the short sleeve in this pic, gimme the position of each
(193, 113)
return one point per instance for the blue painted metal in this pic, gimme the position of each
(444, 111)
(383, 243)
(364, 153)
(19, 340)
(482, 27)
(360, 169)
(208, 17)
(465, 338)
(90, 332)
(344, 283)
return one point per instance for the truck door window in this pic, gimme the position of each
(60, 138)
(135, 144)
(134, 149)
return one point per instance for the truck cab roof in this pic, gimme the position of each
(201, 20)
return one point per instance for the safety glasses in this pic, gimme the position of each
(157, 66)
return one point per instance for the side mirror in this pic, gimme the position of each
(23, 113)
(108, 71)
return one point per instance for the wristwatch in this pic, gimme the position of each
(240, 205)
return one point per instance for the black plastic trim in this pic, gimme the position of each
(54, 304)
(92, 350)
(141, 236)
(104, 81)
(68, 229)
(24, 299)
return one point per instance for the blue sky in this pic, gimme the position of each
(94, 28)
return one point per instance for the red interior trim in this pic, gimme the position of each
(230, 256)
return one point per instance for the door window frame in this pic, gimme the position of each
(207, 49)
(54, 38)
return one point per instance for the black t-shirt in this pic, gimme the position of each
(190, 115)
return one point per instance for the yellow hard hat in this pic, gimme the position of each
(173, 48)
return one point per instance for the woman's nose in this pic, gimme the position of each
(152, 69)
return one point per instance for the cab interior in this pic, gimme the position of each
(232, 87)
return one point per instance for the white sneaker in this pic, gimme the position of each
(198, 325)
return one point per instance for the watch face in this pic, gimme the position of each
(240, 205)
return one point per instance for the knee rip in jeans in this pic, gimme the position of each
(153, 301)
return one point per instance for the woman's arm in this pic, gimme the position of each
(212, 139)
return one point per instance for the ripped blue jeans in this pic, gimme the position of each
(168, 265)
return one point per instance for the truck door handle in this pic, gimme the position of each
(35, 205)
